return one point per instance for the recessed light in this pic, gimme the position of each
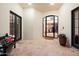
(29, 3)
(51, 3)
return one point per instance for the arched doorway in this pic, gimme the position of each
(50, 26)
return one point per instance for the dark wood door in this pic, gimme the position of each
(75, 27)
(15, 25)
(50, 26)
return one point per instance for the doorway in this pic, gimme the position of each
(50, 26)
(75, 27)
(15, 25)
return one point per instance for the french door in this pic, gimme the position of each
(75, 27)
(50, 26)
(15, 25)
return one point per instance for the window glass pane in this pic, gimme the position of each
(76, 31)
(12, 24)
(50, 19)
(76, 23)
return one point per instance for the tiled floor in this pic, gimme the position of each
(42, 47)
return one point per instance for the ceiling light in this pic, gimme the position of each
(51, 3)
(29, 3)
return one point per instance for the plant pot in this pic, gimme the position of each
(62, 39)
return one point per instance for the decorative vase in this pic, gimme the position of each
(62, 39)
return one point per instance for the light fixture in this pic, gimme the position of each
(29, 3)
(51, 3)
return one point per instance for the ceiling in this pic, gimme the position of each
(43, 7)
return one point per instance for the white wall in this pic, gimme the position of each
(51, 13)
(4, 16)
(32, 24)
(65, 20)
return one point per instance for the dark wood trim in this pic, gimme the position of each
(21, 28)
(75, 9)
(43, 27)
(15, 14)
(71, 28)
(54, 25)
(46, 27)
(78, 21)
(58, 26)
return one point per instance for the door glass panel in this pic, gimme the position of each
(50, 19)
(50, 25)
(56, 26)
(76, 18)
(76, 23)
(18, 27)
(76, 31)
(12, 24)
